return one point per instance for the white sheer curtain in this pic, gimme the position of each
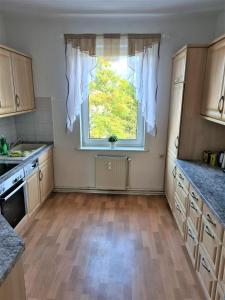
(79, 65)
(143, 59)
(145, 69)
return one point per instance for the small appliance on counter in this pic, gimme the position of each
(214, 159)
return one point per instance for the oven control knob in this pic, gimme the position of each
(15, 180)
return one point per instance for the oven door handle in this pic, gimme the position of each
(14, 191)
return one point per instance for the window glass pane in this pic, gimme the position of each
(113, 105)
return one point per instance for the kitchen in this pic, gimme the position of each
(56, 197)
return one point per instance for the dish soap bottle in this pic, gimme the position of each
(4, 146)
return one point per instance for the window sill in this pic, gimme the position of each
(117, 149)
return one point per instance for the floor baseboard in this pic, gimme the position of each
(96, 191)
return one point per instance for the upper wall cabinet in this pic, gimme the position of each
(7, 96)
(213, 95)
(16, 83)
(23, 82)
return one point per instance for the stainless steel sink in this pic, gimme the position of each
(25, 149)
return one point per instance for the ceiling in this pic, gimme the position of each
(111, 6)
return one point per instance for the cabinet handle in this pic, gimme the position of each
(204, 265)
(17, 100)
(181, 177)
(0, 103)
(180, 185)
(178, 207)
(194, 196)
(190, 234)
(176, 143)
(40, 175)
(210, 220)
(174, 172)
(193, 206)
(207, 230)
(221, 104)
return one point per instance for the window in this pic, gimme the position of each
(112, 107)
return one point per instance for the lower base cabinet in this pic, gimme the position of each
(180, 217)
(206, 275)
(46, 178)
(13, 288)
(202, 233)
(191, 242)
(220, 293)
(33, 191)
(40, 183)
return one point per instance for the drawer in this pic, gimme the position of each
(183, 179)
(44, 156)
(182, 195)
(206, 275)
(221, 276)
(211, 219)
(211, 244)
(191, 244)
(195, 197)
(179, 217)
(220, 294)
(194, 215)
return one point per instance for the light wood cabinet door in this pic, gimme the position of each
(170, 179)
(221, 277)
(179, 67)
(33, 191)
(211, 245)
(23, 82)
(213, 101)
(175, 117)
(13, 288)
(191, 242)
(46, 178)
(206, 275)
(7, 96)
(220, 294)
(180, 217)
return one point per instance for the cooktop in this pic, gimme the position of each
(5, 167)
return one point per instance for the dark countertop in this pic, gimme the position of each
(209, 183)
(11, 248)
(11, 245)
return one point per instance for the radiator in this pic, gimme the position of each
(111, 172)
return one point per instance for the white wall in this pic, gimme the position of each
(44, 40)
(220, 24)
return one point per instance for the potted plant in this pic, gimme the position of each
(113, 139)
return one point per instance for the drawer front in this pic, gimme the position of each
(214, 224)
(211, 244)
(179, 216)
(194, 214)
(182, 195)
(195, 197)
(182, 179)
(221, 277)
(191, 243)
(44, 156)
(206, 275)
(220, 294)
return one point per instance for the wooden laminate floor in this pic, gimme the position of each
(98, 247)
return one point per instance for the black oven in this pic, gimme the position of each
(13, 204)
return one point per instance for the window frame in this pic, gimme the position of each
(86, 142)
